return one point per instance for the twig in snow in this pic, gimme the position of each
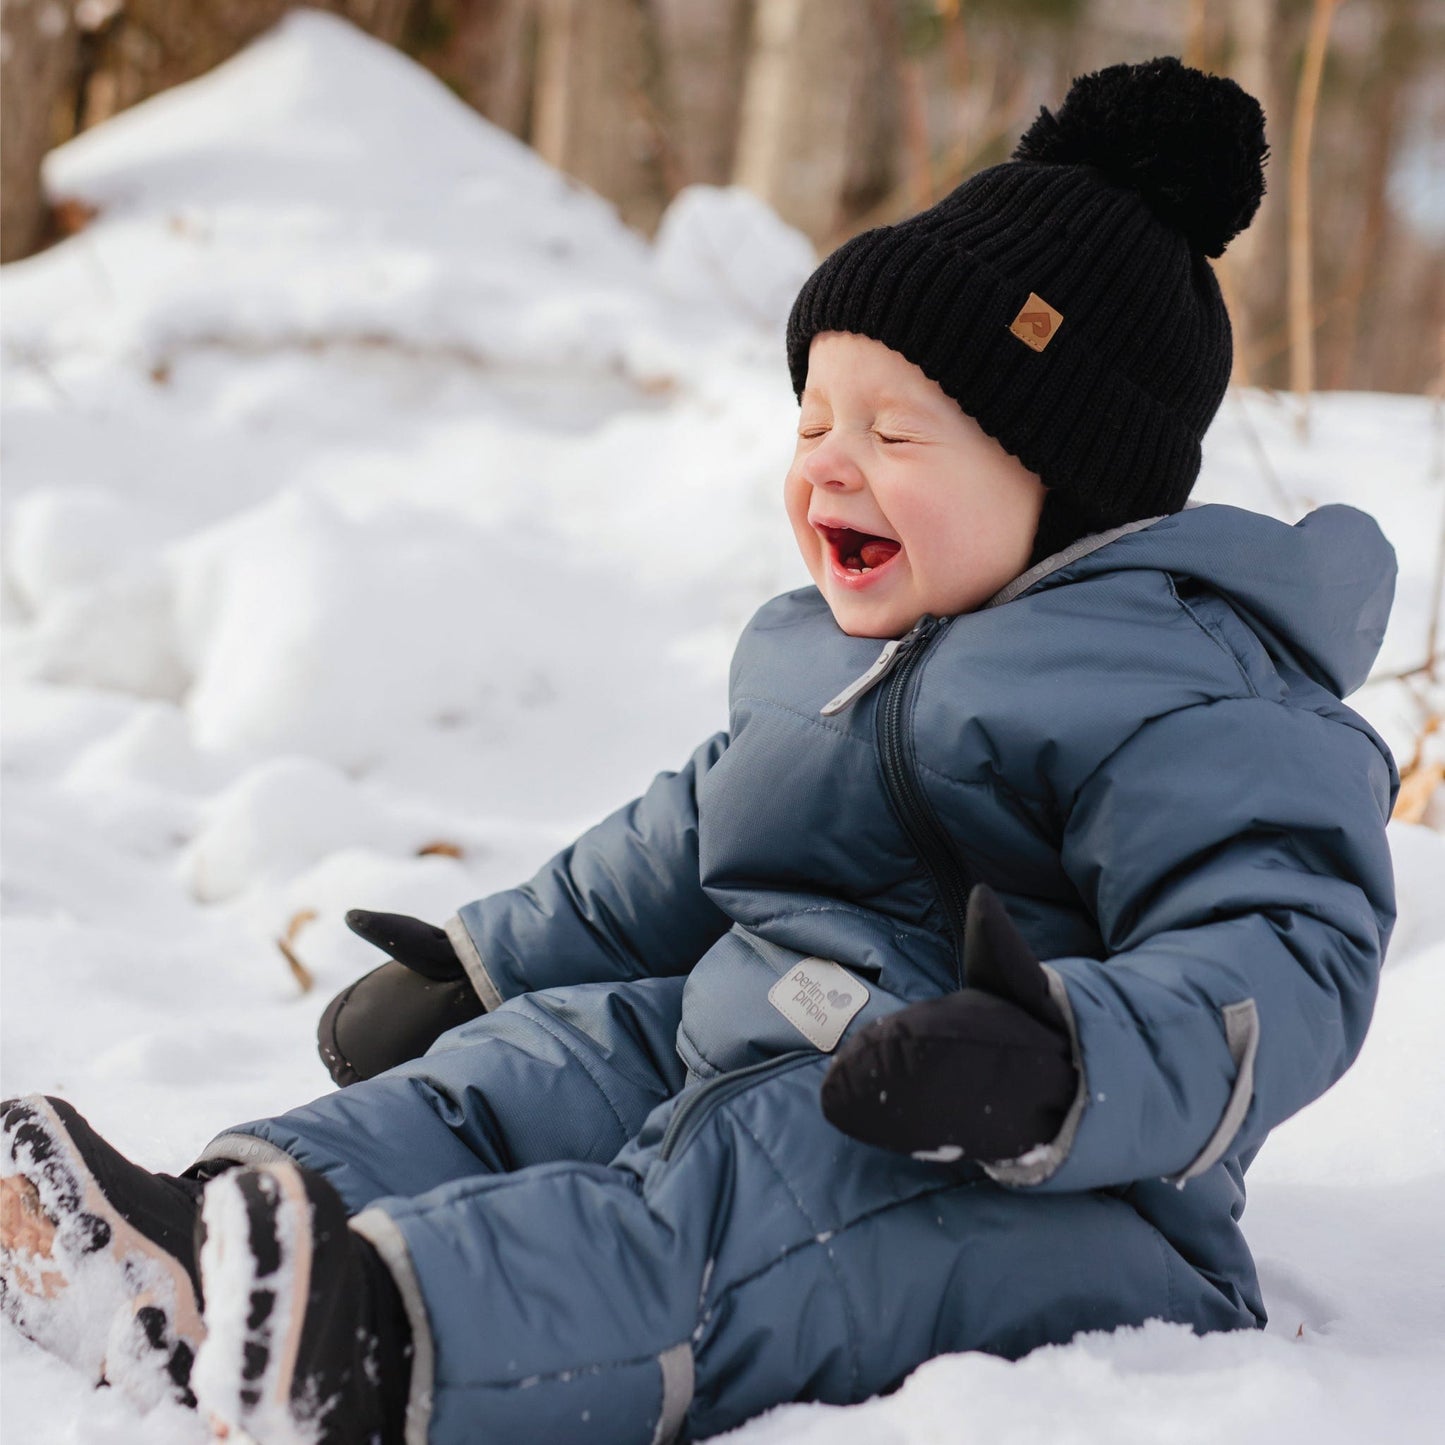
(299, 971)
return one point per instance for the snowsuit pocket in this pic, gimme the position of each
(730, 1023)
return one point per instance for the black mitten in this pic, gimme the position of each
(395, 1012)
(422, 947)
(985, 1073)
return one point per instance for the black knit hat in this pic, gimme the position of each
(1063, 298)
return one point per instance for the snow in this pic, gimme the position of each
(352, 458)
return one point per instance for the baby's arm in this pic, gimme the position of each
(1235, 857)
(624, 901)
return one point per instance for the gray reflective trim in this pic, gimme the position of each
(481, 980)
(242, 1149)
(1241, 1032)
(1080, 548)
(1038, 1164)
(380, 1229)
(677, 1387)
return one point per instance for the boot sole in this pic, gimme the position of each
(80, 1280)
(256, 1276)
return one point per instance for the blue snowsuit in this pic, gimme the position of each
(612, 1204)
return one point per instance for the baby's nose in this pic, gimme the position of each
(832, 465)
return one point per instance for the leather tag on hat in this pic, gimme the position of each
(820, 999)
(1037, 322)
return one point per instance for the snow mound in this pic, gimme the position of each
(320, 189)
(723, 247)
(276, 820)
(65, 537)
(301, 627)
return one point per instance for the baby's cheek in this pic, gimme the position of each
(795, 498)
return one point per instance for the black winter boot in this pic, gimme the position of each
(97, 1255)
(307, 1339)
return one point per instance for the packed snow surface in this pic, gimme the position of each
(368, 487)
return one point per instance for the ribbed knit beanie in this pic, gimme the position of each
(1063, 297)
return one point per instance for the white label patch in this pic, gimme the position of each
(819, 999)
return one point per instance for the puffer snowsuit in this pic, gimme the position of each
(613, 1205)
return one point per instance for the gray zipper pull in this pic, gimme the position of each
(893, 650)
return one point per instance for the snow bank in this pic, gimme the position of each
(318, 190)
(724, 249)
(379, 511)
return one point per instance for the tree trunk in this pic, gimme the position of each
(156, 44)
(704, 53)
(1302, 319)
(1380, 103)
(37, 56)
(593, 117)
(819, 132)
(485, 50)
(1251, 277)
(161, 43)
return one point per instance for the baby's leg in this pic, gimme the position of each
(565, 1074)
(741, 1253)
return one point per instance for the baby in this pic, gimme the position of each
(940, 1003)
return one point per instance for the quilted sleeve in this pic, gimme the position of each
(624, 901)
(1234, 854)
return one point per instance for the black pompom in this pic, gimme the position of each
(1192, 144)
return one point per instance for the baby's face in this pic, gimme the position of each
(900, 502)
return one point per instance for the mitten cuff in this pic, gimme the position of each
(1043, 1160)
(477, 974)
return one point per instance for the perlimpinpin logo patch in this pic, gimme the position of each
(820, 999)
(1037, 322)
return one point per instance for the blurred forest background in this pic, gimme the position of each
(845, 114)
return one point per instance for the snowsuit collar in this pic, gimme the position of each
(1317, 593)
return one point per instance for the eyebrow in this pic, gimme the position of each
(912, 408)
(886, 402)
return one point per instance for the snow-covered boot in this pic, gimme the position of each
(307, 1340)
(97, 1255)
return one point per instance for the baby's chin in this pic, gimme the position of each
(860, 618)
(883, 611)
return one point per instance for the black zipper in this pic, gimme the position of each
(687, 1117)
(895, 748)
(894, 652)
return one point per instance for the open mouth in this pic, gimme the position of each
(859, 552)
